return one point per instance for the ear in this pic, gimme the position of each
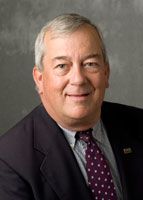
(107, 74)
(38, 78)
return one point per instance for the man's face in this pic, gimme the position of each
(74, 78)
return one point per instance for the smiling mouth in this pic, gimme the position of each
(79, 97)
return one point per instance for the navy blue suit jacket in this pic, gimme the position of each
(37, 163)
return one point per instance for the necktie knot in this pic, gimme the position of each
(86, 136)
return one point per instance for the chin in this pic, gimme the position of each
(79, 113)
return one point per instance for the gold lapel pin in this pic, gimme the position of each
(127, 150)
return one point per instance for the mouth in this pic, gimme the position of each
(79, 97)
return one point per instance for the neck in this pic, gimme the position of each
(79, 125)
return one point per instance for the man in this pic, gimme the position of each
(42, 157)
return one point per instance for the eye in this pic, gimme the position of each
(61, 66)
(61, 69)
(92, 66)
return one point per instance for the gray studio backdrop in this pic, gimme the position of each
(20, 20)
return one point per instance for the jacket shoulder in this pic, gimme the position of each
(126, 118)
(17, 143)
(20, 128)
(121, 110)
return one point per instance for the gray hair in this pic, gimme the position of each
(63, 24)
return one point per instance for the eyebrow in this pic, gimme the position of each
(96, 55)
(60, 58)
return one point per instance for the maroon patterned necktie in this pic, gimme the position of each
(98, 171)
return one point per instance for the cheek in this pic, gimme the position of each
(53, 85)
(99, 81)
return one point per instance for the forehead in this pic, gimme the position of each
(85, 37)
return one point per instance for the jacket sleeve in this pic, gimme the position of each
(12, 186)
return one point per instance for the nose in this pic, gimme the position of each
(77, 76)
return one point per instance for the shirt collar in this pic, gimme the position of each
(70, 135)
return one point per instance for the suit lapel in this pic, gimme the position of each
(117, 149)
(128, 154)
(59, 166)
